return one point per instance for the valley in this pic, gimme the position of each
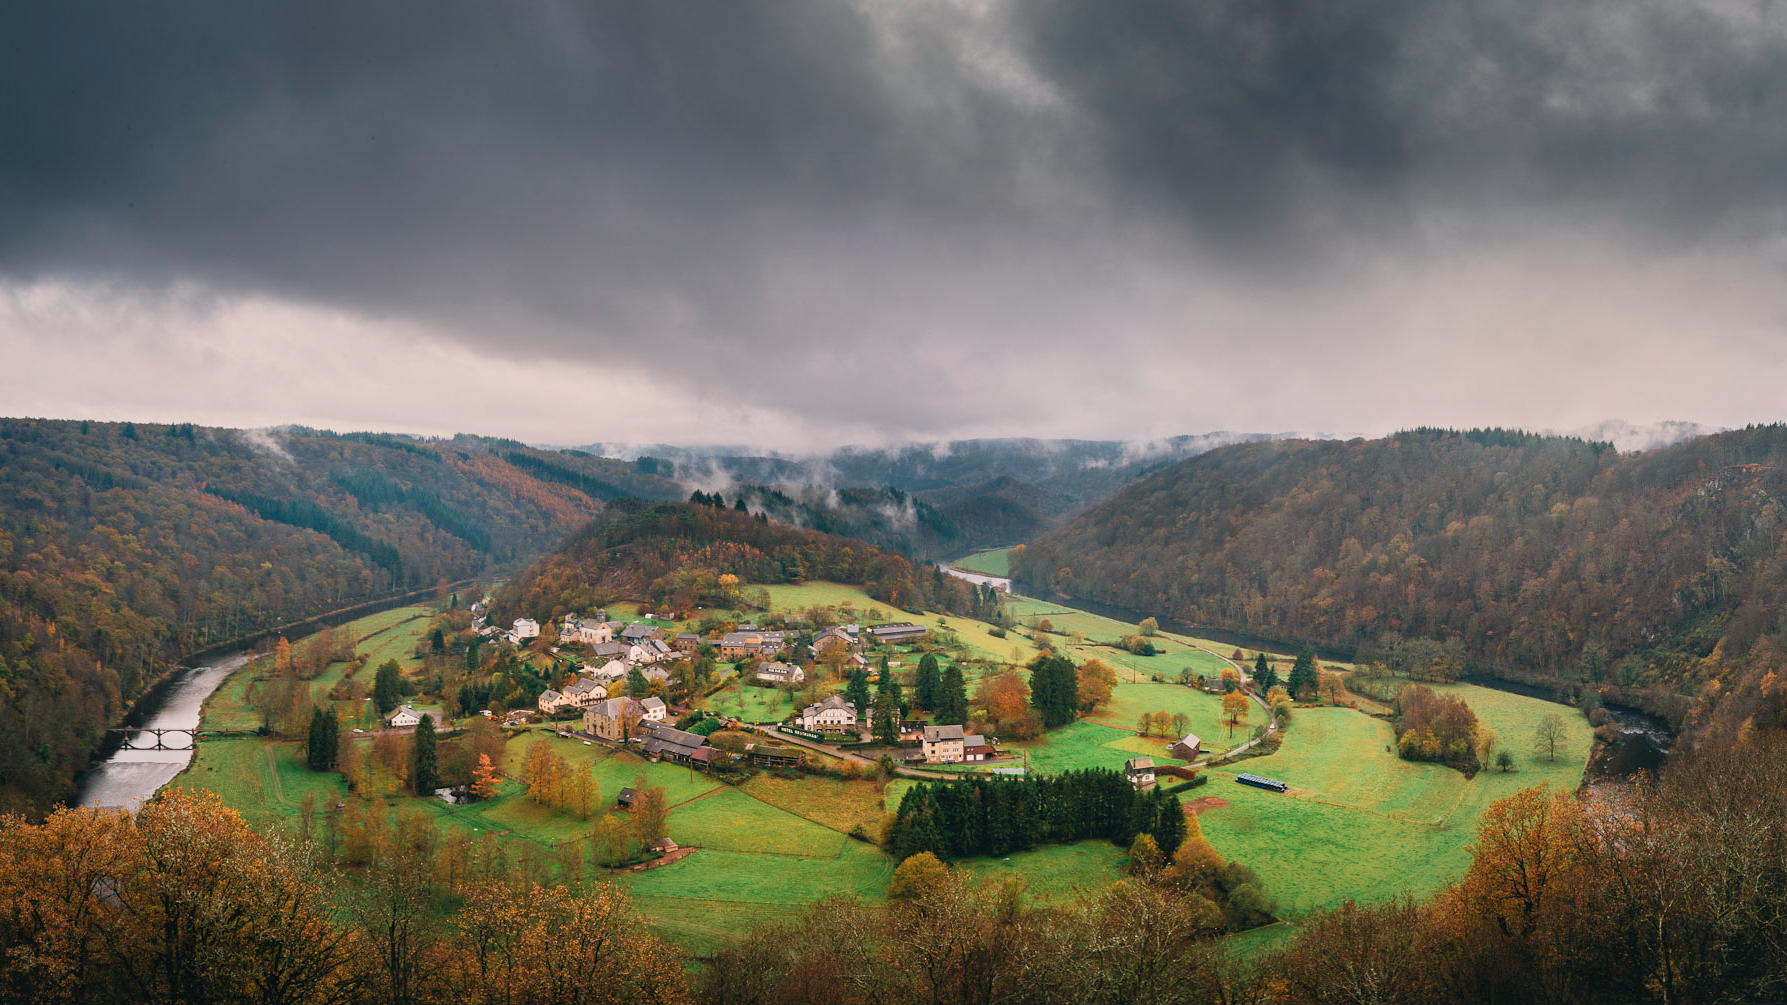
(1357, 823)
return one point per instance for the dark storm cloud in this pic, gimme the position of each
(933, 187)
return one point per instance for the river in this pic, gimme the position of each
(129, 777)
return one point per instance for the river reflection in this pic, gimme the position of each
(129, 777)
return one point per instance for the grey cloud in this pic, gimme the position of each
(805, 191)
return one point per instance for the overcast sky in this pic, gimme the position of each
(797, 223)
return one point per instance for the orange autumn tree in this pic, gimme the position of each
(1005, 700)
(174, 905)
(1096, 682)
(484, 778)
(1234, 708)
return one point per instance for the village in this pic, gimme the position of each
(621, 691)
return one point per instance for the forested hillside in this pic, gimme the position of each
(124, 547)
(1529, 556)
(678, 555)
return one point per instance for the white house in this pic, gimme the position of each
(526, 628)
(1140, 771)
(404, 716)
(780, 673)
(585, 693)
(833, 715)
(586, 632)
(654, 709)
(551, 701)
(608, 672)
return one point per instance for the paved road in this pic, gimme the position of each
(1271, 721)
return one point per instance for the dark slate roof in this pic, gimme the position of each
(660, 739)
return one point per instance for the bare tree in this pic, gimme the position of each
(1548, 737)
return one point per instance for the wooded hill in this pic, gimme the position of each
(124, 547)
(676, 555)
(1538, 557)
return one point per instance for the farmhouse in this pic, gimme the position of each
(1185, 748)
(833, 715)
(943, 745)
(584, 632)
(832, 640)
(1140, 771)
(687, 642)
(641, 632)
(584, 693)
(897, 631)
(609, 650)
(526, 628)
(665, 742)
(615, 719)
(780, 673)
(739, 644)
(608, 672)
(404, 716)
(551, 701)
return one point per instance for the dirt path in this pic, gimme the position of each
(273, 767)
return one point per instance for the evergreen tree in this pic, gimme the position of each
(387, 687)
(423, 774)
(1169, 823)
(952, 698)
(1264, 677)
(1303, 675)
(857, 691)
(324, 735)
(1054, 689)
(890, 685)
(927, 685)
(637, 685)
(886, 723)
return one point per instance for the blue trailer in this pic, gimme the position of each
(1261, 782)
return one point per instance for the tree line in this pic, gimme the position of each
(185, 903)
(998, 816)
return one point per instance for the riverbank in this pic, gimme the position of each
(116, 776)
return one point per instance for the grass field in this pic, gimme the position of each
(729, 820)
(758, 704)
(391, 634)
(242, 771)
(1360, 822)
(1081, 745)
(1056, 873)
(988, 563)
(829, 802)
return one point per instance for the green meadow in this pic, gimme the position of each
(988, 563)
(1360, 822)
